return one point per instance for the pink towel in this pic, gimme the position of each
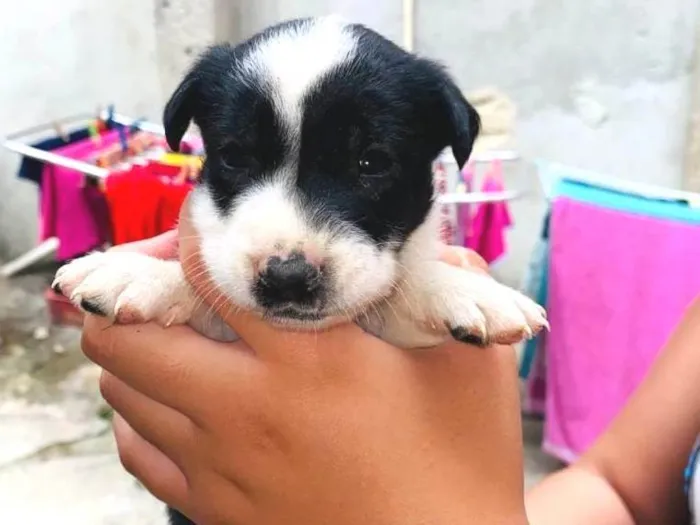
(72, 210)
(618, 285)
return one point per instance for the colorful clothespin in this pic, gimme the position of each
(496, 171)
(123, 139)
(93, 132)
(110, 114)
(136, 125)
(60, 132)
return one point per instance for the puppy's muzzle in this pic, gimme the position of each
(290, 286)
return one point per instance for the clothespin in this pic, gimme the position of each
(123, 140)
(100, 125)
(93, 132)
(136, 125)
(496, 171)
(110, 114)
(60, 132)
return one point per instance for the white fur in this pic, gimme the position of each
(267, 221)
(294, 60)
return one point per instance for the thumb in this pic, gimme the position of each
(464, 258)
(163, 246)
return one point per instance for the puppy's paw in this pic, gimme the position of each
(130, 288)
(504, 316)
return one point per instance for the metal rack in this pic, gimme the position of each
(15, 143)
(477, 197)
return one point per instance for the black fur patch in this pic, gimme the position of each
(93, 308)
(178, 519)
(461, 334)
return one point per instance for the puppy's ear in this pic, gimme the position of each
(462, 120)
(179, 111)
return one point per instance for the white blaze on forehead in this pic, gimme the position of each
(296, 58)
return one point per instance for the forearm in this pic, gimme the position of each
(633, 474)
(576, 496)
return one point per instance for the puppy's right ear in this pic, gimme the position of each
(179, 111)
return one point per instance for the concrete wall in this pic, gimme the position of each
(601, 85)
(64, 58)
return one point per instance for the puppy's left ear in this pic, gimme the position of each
(179, 111)
(463, 121)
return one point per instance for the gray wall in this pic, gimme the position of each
(598, 84)
(60, 58)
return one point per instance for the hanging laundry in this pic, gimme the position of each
(32, 169)
(610, 311)
(535, 287)
(72, 209)
(491, 220)
(128, 148)
(145, 200)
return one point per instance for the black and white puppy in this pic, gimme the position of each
(316, 202)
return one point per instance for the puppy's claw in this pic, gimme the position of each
(92, 307)
(467, 336)
(56, 287)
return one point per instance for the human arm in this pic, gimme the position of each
(633, 474)
(331, 427)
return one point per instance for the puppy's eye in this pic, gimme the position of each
(374, 162)
(236, 158)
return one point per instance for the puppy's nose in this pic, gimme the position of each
(291, 280)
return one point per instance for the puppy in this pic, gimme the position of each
(316, 202)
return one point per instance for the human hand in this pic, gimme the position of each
(334, 427)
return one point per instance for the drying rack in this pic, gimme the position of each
(49, 246)
(15, 142)
(549, 173)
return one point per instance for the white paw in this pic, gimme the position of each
(128, 287)
(480, 310)
(442, 301)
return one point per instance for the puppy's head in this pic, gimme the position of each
(319, 140)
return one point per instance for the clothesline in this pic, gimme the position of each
(477, 197)
(14, 144)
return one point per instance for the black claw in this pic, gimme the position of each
(57, 288)
(463, 335)
(92, 308)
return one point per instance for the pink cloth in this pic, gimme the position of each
(618, 284)
(72, 210)
(464, 212)
(488, 226)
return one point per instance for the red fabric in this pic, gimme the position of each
(171, 202)
(144, 201)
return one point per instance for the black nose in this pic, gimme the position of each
(293, 280)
